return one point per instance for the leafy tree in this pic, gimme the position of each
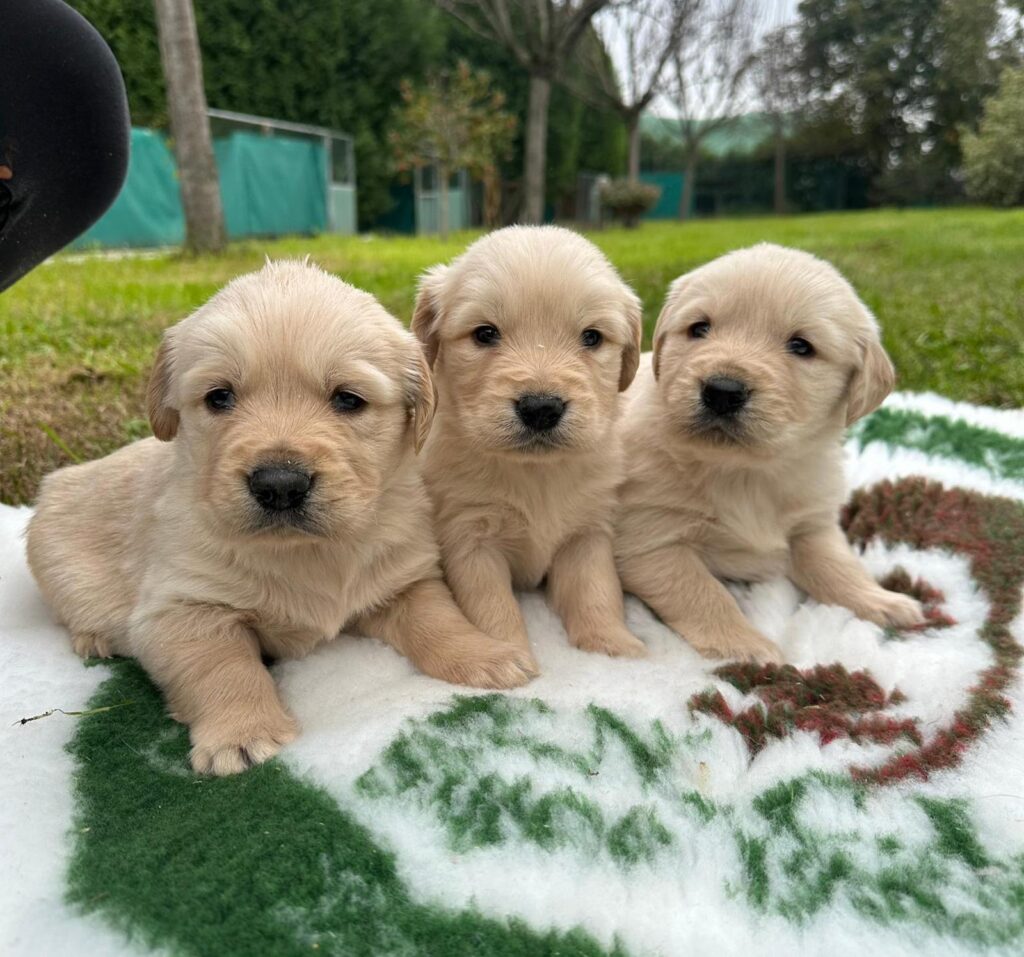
(542, 37)
(334, 63)
(582, 136)
(994, 156)
(340, 64)
(904, 76)
(492, 134)
(873, 61)
(129, 27)
(975, 41)
(779, 89)
(454, 121)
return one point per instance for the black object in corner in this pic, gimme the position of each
(64, 131)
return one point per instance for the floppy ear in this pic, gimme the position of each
(163, 419)
(661, 327)
(426, 313)
(422, 397)
(631, 351)
(872, 381)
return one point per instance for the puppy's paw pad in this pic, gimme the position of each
(616, 644)
(87, 644)
(223, 750)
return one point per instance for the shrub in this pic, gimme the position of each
(628, 200)
(994, 156)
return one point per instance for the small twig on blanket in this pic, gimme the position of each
(73, 714)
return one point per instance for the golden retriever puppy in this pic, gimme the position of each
(733, 438)
(279, 502)
(532, 335)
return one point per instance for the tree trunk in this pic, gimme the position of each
(442, 214)
(492, 197)
(535, 161)
(633, 132)
(190, 127)
(689, 182)
(780, 172)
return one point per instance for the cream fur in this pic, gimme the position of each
(510, 512)
(699, 506)
(158, 551)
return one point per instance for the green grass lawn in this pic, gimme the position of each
(77, 336)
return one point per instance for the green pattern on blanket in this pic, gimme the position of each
(171, 857)
(268, 862)
(1001, 455)
(259, 863)
(945, 881)
(795, 859)
(438, 761)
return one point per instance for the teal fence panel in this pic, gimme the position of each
(428, 211)
(147, 212)
(272, 185)
(343, 209)
(401, 217)
(458, 209)
(671, 186)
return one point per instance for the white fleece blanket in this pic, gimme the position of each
(871, 800)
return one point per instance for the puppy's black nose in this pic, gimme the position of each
(724, 396)
(278, 489)
(540, 413)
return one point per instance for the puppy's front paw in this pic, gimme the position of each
(87, 644)
(747, 645)
(615, 642)
(483, 662)
(230, 744)
(890, 609)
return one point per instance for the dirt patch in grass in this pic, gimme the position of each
(53, 418)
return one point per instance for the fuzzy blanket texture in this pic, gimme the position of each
(866, 797)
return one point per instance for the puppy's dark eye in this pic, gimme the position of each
(699, 330)
(343, 401)
(591, 338)
(220, 400)
(486, 335)
(800, 347)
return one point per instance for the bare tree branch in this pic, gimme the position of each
(639, 38)
(542, 35)
(625, 57)
(708, 82)
(491, 19)
(578, 22)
